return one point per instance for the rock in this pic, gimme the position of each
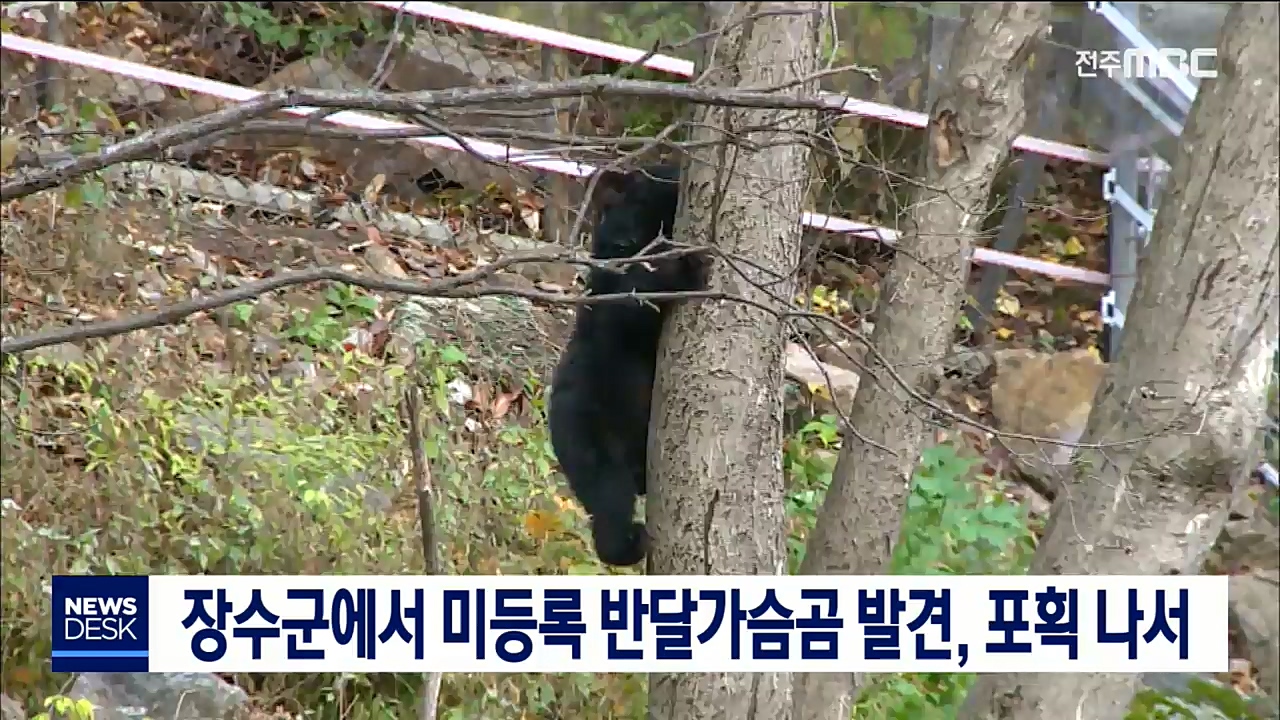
(11, 709)
(502, 336)
(357, 484)
(239, 442)
(437, 61)
(1048, 395)
(61, 355)
(503, 245)
(206, 431)
(1253, 600)
(966, 363)
(1250, 540)
(174, 696)
(839, 383)
(433, 62)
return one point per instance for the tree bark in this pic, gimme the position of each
(971, 126)
(1191, 375)
(715, 504)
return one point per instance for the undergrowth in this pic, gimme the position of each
(106, 472)
(112, 467)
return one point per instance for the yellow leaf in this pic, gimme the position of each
(1008, 305)
(819, 389)
(1094, 351)
(564, 503)
(1004, 333)
(1072, 247)
(540, 524)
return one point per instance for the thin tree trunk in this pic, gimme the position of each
(971, 125)
(1192, 373)
(412, 406)
(715, 504)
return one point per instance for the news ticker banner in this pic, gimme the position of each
(675, 624)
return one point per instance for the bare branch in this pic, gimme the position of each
(461, 286)
(154, 142)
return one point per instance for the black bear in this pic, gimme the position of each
(600, 391)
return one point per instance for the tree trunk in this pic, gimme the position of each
(715, 504)
(1192, 373)
(971, 125)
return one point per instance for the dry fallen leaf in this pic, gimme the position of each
(532, 217)
(383, 262)
(1007, 304)
(502, 404)
(973, 403)
(1004, 333)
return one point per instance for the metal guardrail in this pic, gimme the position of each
(1133, 212)
(1132, 215)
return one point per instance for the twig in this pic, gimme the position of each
(383, 69)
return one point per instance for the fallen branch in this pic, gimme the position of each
(460, 286)
(154, 142)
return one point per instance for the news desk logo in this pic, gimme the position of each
(100, 624)
(1136, 64)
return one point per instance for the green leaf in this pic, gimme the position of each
(453, 355)
(74, 195)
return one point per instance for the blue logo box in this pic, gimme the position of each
(100, 623)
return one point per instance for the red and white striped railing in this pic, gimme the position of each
(495, 151)
(684, 68)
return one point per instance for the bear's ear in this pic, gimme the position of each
(611, 185)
